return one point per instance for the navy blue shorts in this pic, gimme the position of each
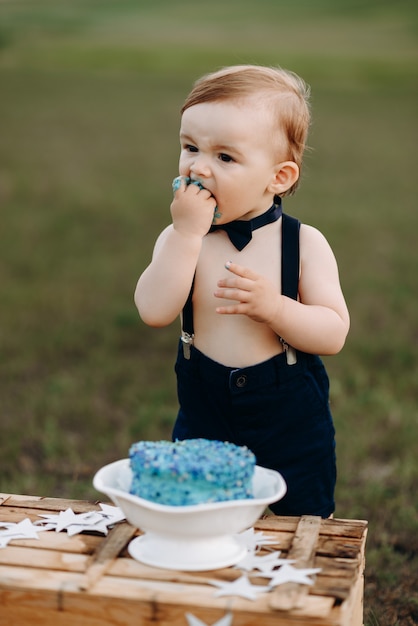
(279, 411)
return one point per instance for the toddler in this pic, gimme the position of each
(258, 293)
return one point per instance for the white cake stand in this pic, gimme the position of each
(196, 537)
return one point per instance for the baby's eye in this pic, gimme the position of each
(190, 148)
(226, 158)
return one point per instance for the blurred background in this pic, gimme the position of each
(90, 93)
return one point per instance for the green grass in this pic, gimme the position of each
(89, 100)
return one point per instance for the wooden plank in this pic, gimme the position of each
(16, 497)
(107, 552)
(197, 596)
(16, 556)
(127, 567)
(304, 540)
(338, 566)
(49, 504)
(88, 611)
(344, 528)
(17, 514)
(339, 547)
(352, 609)
(22, 608)
(36, 579)
(292, 595)
(3, 498)
(51, 540)
(334, 526)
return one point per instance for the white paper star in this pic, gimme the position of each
(93, 521)
(20, 530)
(7, 533)
(61, 520)
(99, 526)
(4, 541)
(113, 514)
(251, 540)
(239, 587)
(264, 564)
(84, 521)
(289, 574)
(226, 620)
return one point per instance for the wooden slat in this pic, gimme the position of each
(334, 527)
(3, 498)
(108, 611)
(197, 596)
(107, 552)
(15, 556)
(82, 543)
(292, 595)
(49, 504)
(339, 547)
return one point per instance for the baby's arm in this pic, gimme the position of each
(162, 289)
(318, 323)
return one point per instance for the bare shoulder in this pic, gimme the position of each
(319, 277)
(309, 235)
(314, 245)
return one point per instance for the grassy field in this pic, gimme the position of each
(89, 110)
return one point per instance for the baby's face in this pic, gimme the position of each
(228, 147)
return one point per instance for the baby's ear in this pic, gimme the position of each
(284, 177)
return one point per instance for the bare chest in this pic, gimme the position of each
(262, 255)
(234, 339)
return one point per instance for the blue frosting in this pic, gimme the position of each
(192, 471)
(177, 182)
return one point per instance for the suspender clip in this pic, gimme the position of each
(187, 341)
(291, 357)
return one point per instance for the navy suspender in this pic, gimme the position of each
(290, 270)
(290, 256)
(187, 330)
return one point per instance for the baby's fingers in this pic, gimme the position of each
(232, 309)
(229, 292)
(240, 270)
(180, 182)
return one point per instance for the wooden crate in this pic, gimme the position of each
(90, 580)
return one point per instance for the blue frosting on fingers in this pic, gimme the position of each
(179, 179)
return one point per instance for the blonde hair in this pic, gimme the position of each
(285, 92)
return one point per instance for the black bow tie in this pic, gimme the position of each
(240, 232)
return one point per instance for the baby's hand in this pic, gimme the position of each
(253, 295)
(193, 207)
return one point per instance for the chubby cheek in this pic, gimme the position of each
(232, 195)
(229, 205)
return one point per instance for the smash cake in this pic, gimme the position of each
(193, 471)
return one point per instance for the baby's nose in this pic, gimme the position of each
(200, 166)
